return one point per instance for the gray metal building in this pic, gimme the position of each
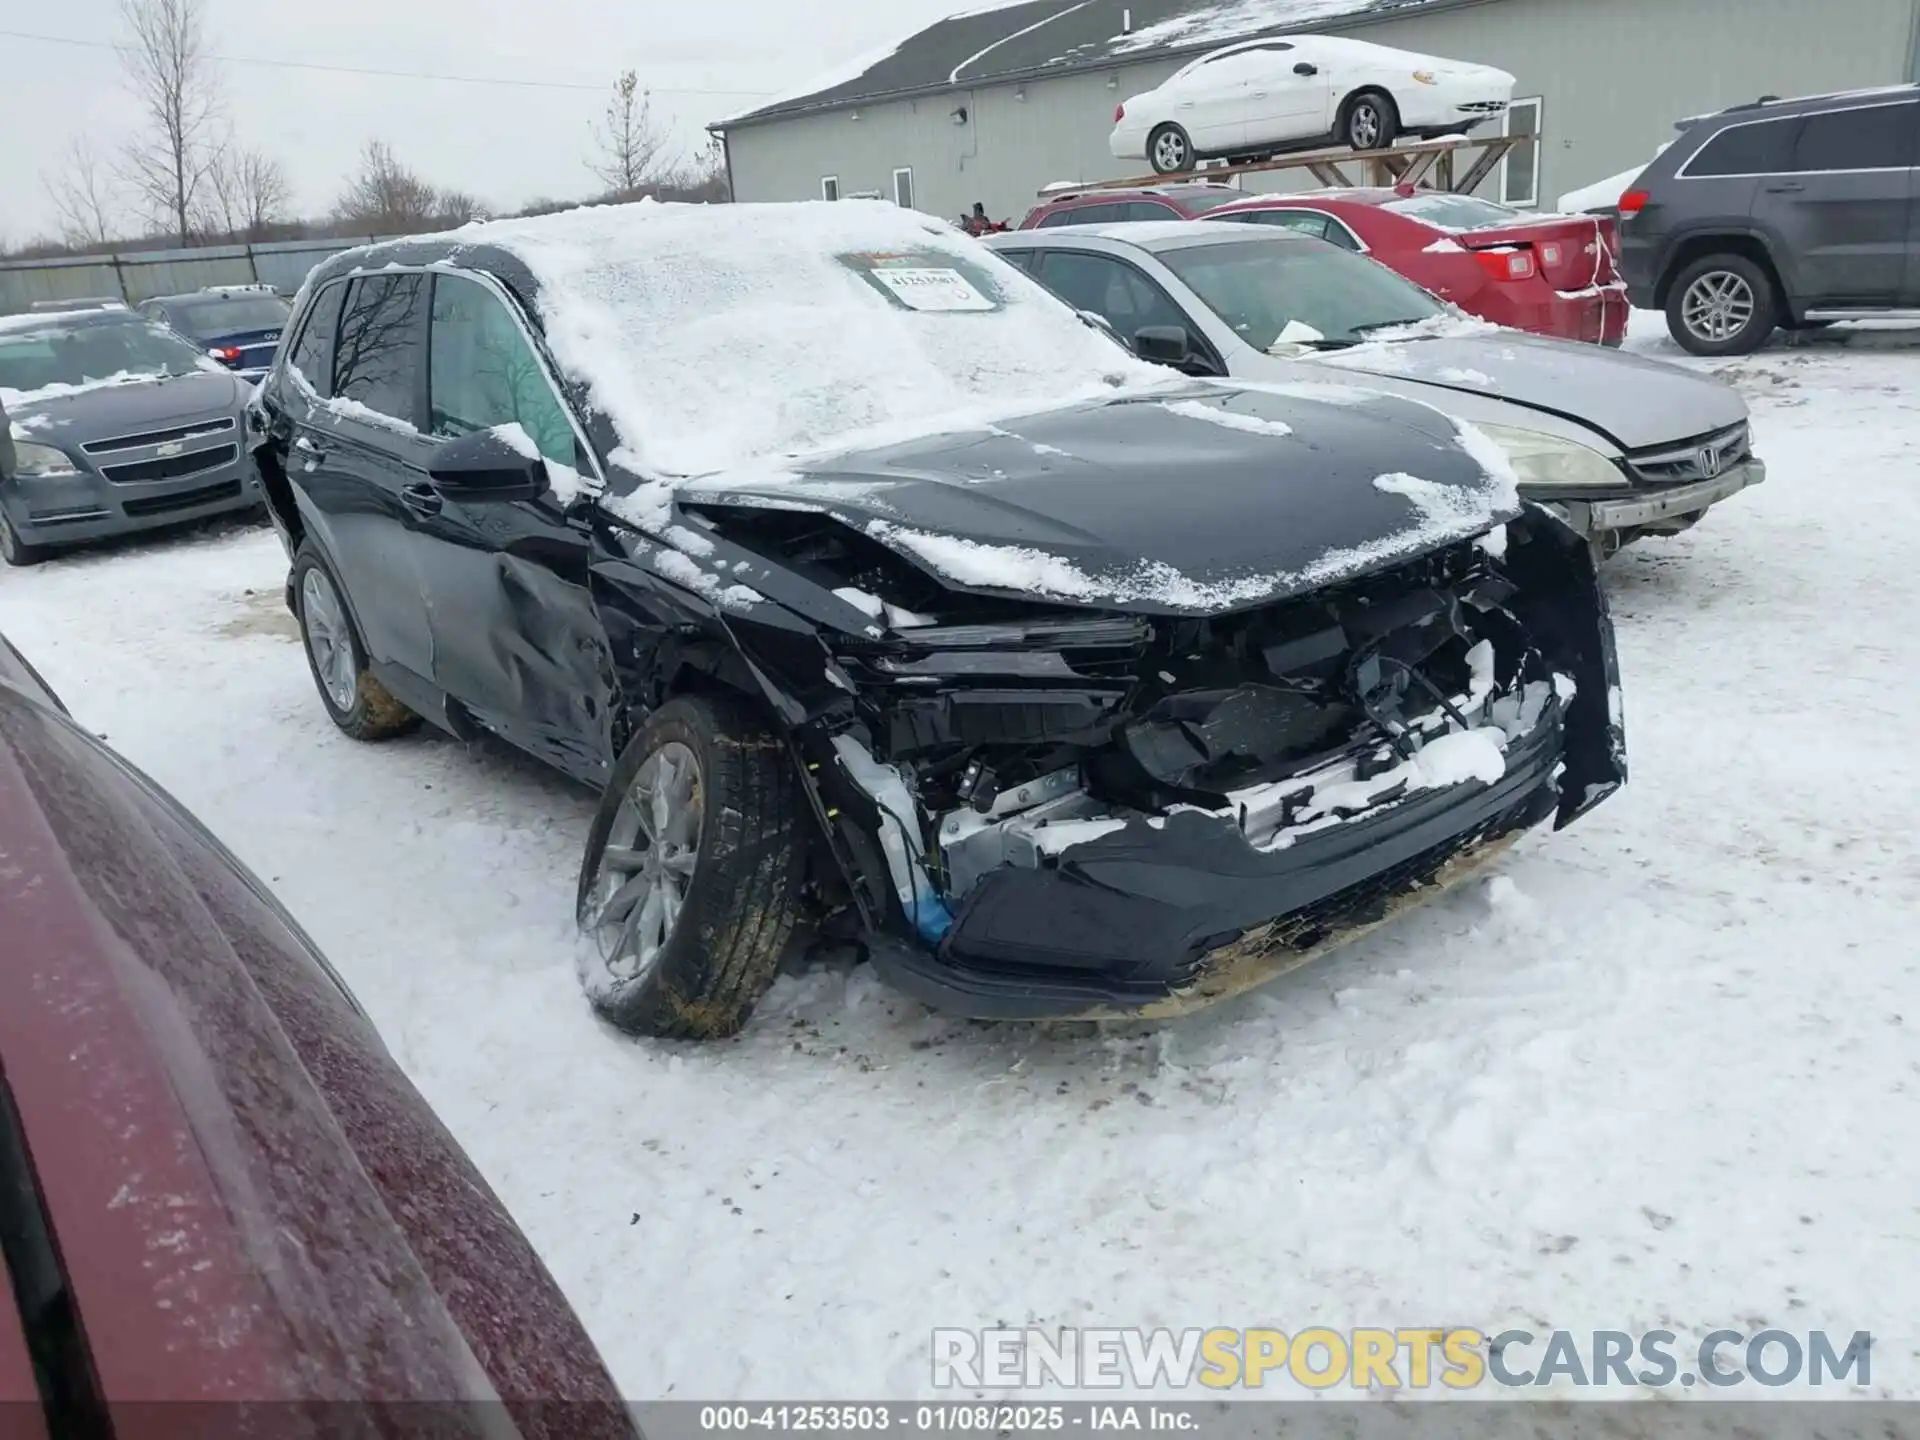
(993, 106)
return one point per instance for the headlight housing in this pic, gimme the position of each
(1547, 461)
(42, 462)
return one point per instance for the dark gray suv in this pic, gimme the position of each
(1789, 213)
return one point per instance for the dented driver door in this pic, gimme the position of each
(516, 642)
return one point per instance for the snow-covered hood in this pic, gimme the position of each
(1214, 499)
(1633, 402)
(77, 415)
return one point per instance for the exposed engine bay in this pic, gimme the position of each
(1014, 737)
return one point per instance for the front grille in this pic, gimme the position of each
(185, 500)
(1677, 464)
(174, 467)
(1483, 107)
(159, 437)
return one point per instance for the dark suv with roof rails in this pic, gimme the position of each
(1778, 213)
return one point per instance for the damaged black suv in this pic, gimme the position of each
(888, 601)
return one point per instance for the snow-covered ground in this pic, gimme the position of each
(1660, 1070)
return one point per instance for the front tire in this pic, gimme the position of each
(1722, 305)
(690, 885)
(1169, 150)
(1370, 121)
(16, 551)
(356, 702)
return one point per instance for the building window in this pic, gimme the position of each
(1520, 171)
(903, 189)
(829, 187)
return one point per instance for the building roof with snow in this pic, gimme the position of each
(1034, 39)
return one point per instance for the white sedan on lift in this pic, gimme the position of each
(1253, 100)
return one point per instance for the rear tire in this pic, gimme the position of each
(1722, 305)
(356, 702)
(16, 551)
(1169, 150)
(690, 884)
(1369, 121)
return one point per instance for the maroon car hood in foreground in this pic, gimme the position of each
(248, 1200)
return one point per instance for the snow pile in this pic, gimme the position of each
(1605, 194)
(1227, 20)
(674, 566)
(1214, 415)
(715, 336)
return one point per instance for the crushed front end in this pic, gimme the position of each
(1088, 813)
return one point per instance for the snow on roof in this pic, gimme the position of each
(715, 337)
(1056, 37)
(1225, 21)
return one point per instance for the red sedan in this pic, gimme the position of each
(1550, 274)
(222, 1206)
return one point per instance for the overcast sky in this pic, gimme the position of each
(504, 143)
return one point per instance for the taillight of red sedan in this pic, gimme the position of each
(1507, 264)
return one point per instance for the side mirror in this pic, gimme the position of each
(1163, 345)
(1303, 68)
(487, 466)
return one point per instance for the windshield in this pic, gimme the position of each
(1277, 288)
(714, 336)
(34, 358)
(227, 314)
(1453, 212)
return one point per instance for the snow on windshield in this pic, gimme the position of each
(716, 336)
(64, 356)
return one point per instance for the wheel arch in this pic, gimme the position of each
(1698, 245)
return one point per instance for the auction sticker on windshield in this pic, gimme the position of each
(927, 289)
(921, 281)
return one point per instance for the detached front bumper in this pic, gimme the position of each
(1654, 507)
(1182, 910)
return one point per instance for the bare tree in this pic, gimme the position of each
(82, 196)
(174, 80)
(245, 192)
(385, 196)
(630, 149)
(455, 207)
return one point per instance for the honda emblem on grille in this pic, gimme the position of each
(169, 450)
(1710, 460)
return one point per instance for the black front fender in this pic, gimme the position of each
(1563, 606)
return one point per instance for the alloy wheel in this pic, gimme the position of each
(1718, 306)
(647, 868)
(1170, 152)
(1363, 129)
(329, 638)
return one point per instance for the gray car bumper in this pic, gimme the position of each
(69, 509)
(1655, 509)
